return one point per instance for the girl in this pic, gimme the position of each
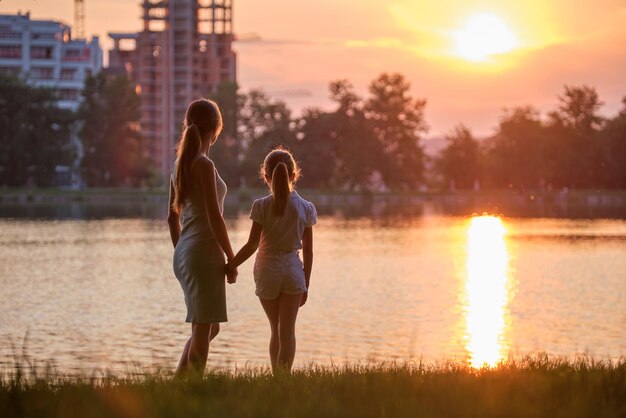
(281, 226)
(197, 202)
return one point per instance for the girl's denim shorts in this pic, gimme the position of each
(277, 272)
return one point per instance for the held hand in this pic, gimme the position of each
(305, 295)
(231, 273)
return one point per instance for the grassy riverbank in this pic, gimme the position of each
(534, 387)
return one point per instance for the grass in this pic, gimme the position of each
(539, 386)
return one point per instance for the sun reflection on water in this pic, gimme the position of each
(486, 291)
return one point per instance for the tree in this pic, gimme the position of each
(398, 121)
(34, 134)
(264, 123)
(459, 161)
(613, 137)
(574, 126)
(578, 109)
(516, 155)
(314, 148)
(227, 150)
(357, 151)
(114, 150)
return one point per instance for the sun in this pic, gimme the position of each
(483, 36)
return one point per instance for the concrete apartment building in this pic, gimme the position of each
(44, 52)
(183, 52)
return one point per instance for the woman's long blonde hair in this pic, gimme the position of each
(203, 122)
(281, 172)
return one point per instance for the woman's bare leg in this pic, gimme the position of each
(215, 329)
(270, 306)
(183, 364)
(199, 347)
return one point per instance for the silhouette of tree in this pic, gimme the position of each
(357, 149)
(34, 134)
(398, 121)
(517, 155)
(614, 150)
(578, 109)
(574, 126)
(459, 161)
(264, 123)
(315, 148)
(227, 150)
(114, 150)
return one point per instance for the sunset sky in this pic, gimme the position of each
(469, 59)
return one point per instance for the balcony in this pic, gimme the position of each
(77, 55)
(11, 51)
(42, 73)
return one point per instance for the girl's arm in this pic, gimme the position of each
(204, 171)
(173, 219)
(307, 256)
(307, 253)
(250, 247)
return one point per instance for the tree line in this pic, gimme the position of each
(376, 142)
(572, 146)
(101, 141)
(366, 143)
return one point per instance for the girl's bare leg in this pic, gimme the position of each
(288, 306)
(270, 306)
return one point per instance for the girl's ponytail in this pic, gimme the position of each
(281, 188)
(188, 148)
(280, 171)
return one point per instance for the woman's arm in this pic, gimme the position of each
(173, 219)
(250, 247)
(204, 171)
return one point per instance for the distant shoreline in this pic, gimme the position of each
(612, 198)
(12, 193)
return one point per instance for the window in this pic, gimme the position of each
(49, 35)
(10, 51)
(42, 73)
(74, 54)
(7, 33)
(41, 52)
(71, 53)
(68, 73)
(68, 94)
(10, 70)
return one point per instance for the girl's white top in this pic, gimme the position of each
(283, 233)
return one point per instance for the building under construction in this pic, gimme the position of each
(183, 52)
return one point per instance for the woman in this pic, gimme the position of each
(199, 233)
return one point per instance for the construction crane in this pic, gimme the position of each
(79, 19)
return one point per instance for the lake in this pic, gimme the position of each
(92, 289)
